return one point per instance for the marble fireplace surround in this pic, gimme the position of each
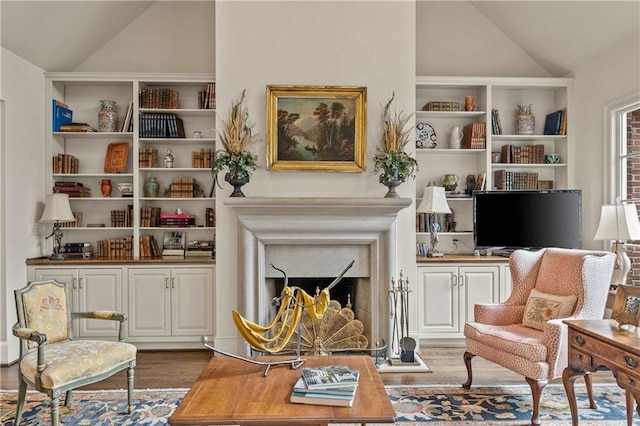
(300, 222)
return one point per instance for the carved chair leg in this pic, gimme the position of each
(467, 362)
(588, 380)
(536, 391)
(130, 377)
(22, 395)
(55, 411)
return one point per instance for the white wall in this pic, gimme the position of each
(23, 166)
(368, 44)
(169, 37)
(599, 81)
(454, 39)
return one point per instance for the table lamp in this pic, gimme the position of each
(434, 201)
(56, 211)
(619, 222)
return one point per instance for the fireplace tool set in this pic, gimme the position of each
(401, 344)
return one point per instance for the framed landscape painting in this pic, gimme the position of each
(316, 128)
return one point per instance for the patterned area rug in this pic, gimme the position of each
(502, 406)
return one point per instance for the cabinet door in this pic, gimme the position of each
(479, 284)
(506, 286)
(438, 299)
(192, 301)
(99, 289)
(149, 302)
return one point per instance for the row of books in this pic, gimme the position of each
(423, 222)
(474, 136)
(147, 157)
(524, 154)
(202, 159)
(495, 122)
(182, 188)
(441, 106)
(210, 217)
(65, 163)
(333, 385)
(507, 180)
(76, 223)
(422, 249)
(149, 248)
(149, 216)
(207, 97)
(158, 97)
(115, 248)
(160, 125)
(122, 218)
(556, 123)
(127, 123)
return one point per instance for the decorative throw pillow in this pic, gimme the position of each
(541, 307)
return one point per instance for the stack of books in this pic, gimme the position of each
(200, 249)
(328, 385)
(174, 244)
(177, 220)
(74, 189)
(78, 250)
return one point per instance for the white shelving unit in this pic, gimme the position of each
(504, 94)
(82, 92)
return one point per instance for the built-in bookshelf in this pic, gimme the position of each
(494, 97)
(158, 115)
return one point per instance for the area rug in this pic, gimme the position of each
(434, 405)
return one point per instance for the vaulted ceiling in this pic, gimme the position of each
(559, 35)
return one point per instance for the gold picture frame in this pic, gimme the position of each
(626, 308)
(316, 128)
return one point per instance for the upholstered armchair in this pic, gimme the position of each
(53, 362)
(526, 333)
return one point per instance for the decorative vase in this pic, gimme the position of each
(237, 184)
(107, 117)
(168, 159)
(525, 120)
(152, 187)
(105, 187)
(391, 178)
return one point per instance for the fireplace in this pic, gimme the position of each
(318, 237)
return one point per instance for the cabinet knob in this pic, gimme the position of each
(631, 363)
(461, 279)
(579, 340)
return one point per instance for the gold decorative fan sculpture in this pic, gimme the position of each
(337, 330)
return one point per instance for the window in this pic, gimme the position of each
(623, 121)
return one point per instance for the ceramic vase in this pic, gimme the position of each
(152, 187)
(106, 187)
(107, 117)
(525, 120)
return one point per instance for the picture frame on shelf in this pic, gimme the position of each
(626, 308)
(316, 128)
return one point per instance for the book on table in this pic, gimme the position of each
(328, 376)
(339, 396)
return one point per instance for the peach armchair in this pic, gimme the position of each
(545, 283)
(53, 362)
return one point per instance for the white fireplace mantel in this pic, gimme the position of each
(315, 220)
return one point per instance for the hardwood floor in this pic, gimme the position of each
(180, 369)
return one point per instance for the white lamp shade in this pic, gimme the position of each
(57, 209)
(434, 200)
(618, 222)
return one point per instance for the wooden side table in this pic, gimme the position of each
(596, 345)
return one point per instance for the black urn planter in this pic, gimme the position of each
(237, 184)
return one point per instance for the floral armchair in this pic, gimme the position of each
(526, 333)
(50, 359)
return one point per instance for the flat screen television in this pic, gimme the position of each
(527, 219)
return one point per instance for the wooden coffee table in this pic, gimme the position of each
(231, 391)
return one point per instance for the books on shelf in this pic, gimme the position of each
(127, 123)
(207, 97)
(522, 154)
(61, 115)
(115, 248)
(177, 220)
(149, 248)
(200, 249)
(556, 123)
(161, 125)
(333, 385)
(508, 180)
(77, 127)
(82, 250)
(174, 244)
(158, 97)
(65, 164)
(474, 136)
(495, 122)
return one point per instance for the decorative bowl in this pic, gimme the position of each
(125, 188)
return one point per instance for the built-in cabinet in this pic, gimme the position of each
(174, 303)
(169, 305)
(82, 93)
(447, 292)
(501, 94)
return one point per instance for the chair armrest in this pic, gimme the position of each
(104, 315)
(101, 315)
(498, 313)
(28, 334)
(554, 337)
